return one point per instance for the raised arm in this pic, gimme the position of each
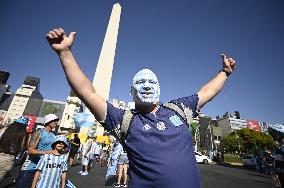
(77, 80)
(214, 86)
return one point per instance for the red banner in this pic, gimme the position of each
(253, 124)
(31, 123)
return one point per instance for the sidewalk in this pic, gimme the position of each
(236, 164)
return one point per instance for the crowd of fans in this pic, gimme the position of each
(45, 158)
(272, 163)
(34, 152)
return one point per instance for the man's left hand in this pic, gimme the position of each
(228, 63)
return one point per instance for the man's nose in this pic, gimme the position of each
(147, 84)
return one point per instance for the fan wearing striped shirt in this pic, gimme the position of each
(52, 168)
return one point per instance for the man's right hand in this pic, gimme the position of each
(78, 81)
(59, 41)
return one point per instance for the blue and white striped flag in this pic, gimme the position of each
(69, 184)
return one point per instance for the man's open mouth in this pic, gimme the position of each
(147, 93)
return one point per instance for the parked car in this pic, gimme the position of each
(249, 161)
(202, 158)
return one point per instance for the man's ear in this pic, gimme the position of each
(131, 90)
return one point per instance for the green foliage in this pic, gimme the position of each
(231, 144)
(49, 109)
(231, 158)
(247, 141)
(193, 127)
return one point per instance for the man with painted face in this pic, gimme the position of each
(157, 134)
(145, 88)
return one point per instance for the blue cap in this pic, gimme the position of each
(60, 138)
(23, 120)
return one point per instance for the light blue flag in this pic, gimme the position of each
(69, 184)
(111, 171)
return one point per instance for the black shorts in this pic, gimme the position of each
(72, 153)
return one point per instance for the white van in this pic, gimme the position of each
(202, 158)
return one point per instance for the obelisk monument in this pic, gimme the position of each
(102, 78)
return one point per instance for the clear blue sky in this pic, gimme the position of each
(179, 40)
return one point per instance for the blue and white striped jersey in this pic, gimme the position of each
(51, 167)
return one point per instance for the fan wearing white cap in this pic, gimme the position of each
(39, 144)
(51, 164)
(50, 123)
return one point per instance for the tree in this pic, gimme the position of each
(193, 128)
(231, 144)
(247, 141)
(49, 109)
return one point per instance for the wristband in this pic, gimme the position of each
(225, 71)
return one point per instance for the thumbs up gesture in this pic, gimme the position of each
(229, 64)
(58, 40)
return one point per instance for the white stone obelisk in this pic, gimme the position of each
(102, 78)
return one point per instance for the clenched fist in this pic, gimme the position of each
(229, 64)
(59, 41)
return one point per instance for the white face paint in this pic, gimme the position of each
(145, 88)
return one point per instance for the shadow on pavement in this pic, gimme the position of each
(259, 175)
(76, 164)
(262, 182)
(110, 181)
(231, 165)
(237, 166)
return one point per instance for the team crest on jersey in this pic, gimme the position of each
(176, 120)
(147, 127)
(161, 126)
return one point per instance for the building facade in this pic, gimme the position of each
(27, 99)
(73, 105)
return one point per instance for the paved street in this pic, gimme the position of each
(215, 176)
